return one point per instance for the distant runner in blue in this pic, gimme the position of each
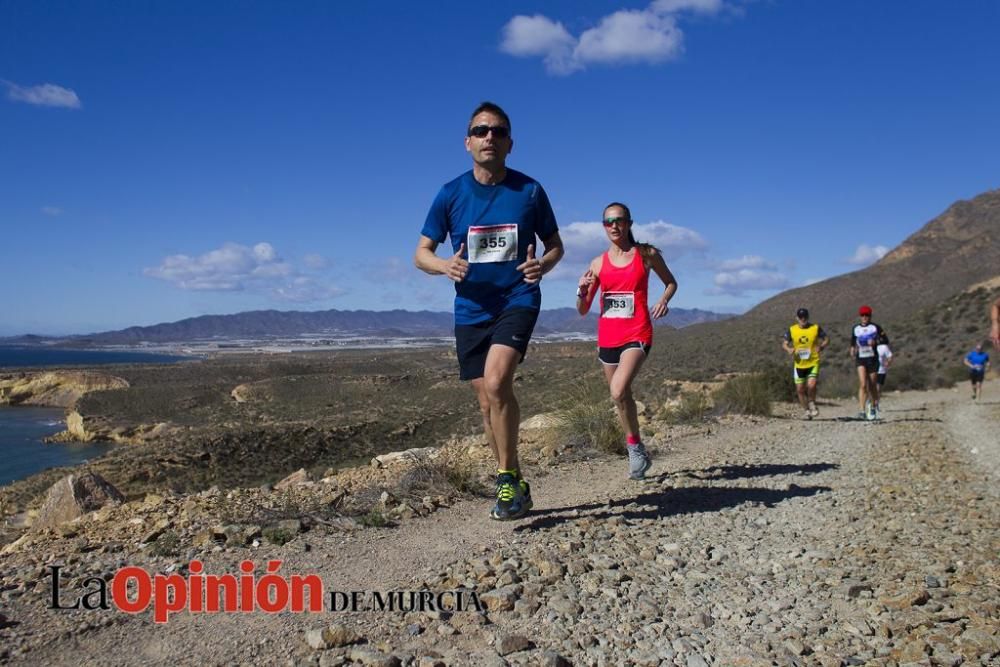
(978, 363)
(493, 216)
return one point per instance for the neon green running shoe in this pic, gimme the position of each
(513, 499)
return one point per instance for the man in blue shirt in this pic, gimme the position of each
(978, 363)
(493, 215)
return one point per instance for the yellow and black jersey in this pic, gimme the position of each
(806, 341)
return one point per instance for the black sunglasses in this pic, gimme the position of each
(609, 222)
(480, 131)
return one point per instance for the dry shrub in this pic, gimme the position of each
(693, 407)
(437, 478)
(588, 419)
(746, 395)
(838, 382)
(909, 375)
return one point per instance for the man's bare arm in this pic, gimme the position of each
(425, 259)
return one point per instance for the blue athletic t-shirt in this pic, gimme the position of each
(978, 359)
(491, 220)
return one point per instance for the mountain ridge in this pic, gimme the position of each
(953, 251)
(391, 323)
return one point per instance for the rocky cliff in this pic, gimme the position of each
(54, 388)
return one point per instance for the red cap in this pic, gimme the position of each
(865, 310)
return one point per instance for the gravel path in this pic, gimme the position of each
(754, 542)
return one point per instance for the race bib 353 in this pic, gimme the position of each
(619, 305)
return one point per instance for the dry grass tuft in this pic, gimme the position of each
(588, 419)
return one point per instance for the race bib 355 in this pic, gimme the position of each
(493, 243)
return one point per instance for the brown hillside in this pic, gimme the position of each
(959, 248)
(931, 294)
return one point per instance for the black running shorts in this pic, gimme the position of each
(870, 363)
(976, 376)
(881, 379)
(612, 356)
(512, 328)
(803, 375)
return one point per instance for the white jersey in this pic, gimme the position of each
(884, 355)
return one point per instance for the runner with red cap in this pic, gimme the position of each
(865, 337)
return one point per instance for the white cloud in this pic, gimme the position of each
(303, 289)
(44, 95)
(405, 286)
(315, 261)
(649, 35)
(698, 6)
(236, 267)
(746, 262)
(52, 210)
(866, 254)
(630, 36)
(538, 35)
(585, 240)
(748, 273)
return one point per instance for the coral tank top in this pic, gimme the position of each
(624, 312)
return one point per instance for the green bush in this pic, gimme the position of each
(746, 394)
(779, 381)
(167, 545)
(589, 419)
(910, 375)
(278, 535)
(373, 519)
(432, 478)
(952, 375)
(692, 409)
(838, 382)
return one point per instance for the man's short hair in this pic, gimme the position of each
(493, 109)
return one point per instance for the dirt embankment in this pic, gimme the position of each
(54, 388)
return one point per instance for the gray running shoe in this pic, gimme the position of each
(813, 410)
(807, 415)
(639, 461)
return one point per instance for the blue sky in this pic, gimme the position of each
(162, 160)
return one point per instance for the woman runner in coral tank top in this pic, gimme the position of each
(625, 329)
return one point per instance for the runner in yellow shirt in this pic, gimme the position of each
(803, 341)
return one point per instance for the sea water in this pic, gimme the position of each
(22, 429)
(22, 452)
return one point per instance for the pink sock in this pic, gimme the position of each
(632, 439)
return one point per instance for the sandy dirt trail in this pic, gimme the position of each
(754, 541)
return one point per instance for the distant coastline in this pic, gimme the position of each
(37, 357)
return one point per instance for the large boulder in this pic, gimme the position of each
(75, 495)
(540, 421)
(407, 456)
(300, 476)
